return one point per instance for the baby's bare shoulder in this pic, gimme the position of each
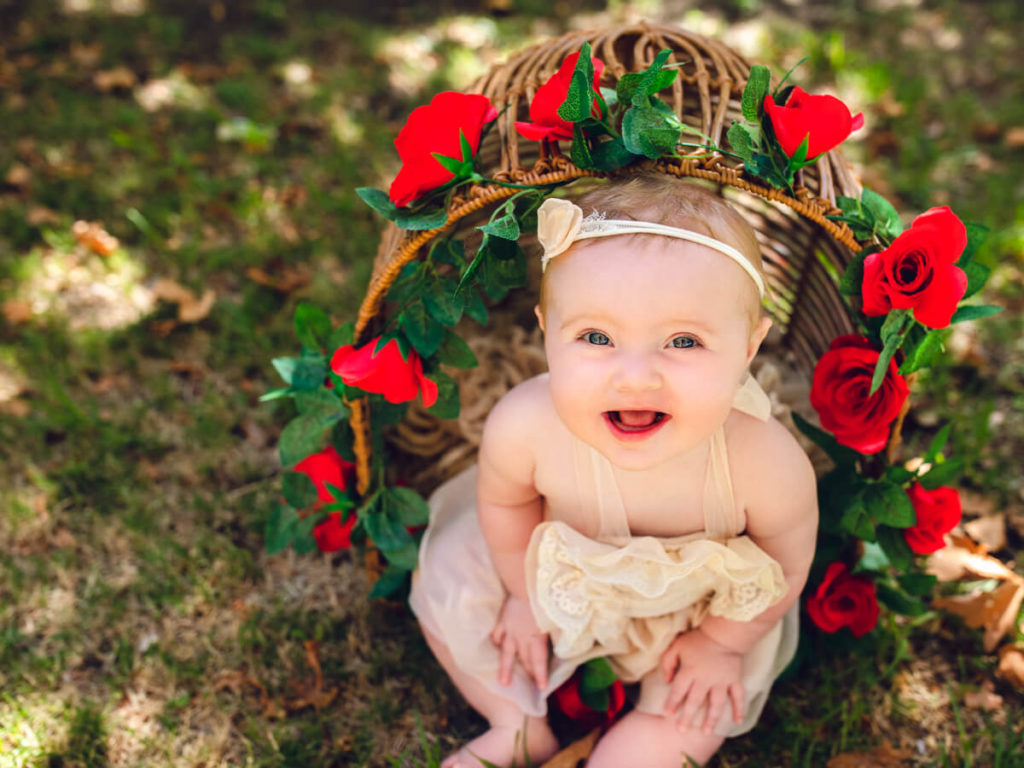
(517, 419)
(771, 473)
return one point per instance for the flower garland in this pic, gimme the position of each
(904, 288)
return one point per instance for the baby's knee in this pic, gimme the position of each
(663, 744)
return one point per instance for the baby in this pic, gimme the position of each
(636, 502)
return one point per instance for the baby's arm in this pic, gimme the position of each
(782, 518)
(509, 508)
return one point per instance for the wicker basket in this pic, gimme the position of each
(802, 248)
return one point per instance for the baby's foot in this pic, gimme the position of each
(503, 746)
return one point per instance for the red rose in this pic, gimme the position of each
(567, 695)
(385, 373)
(938, 512)
(549, 97)
(332, 534)
(435, 127)
(326, 467)
(823, 120)
(843, 600)
(839, 393)
(918, 271)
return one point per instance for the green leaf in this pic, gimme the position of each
(976, 235)
(404, 557)
(886, 218)
(387, 533)
(938, 443)
(840, 454)
(456, 352)
(579, 152)
(309, 373)
(799, 158)
(321, 403)
(853, 275)
(276, 394)
(505, 227)
(280, 528)
(649, 79)
(422, 330)
(596, 700)
(442, 300)
(895, 547)
(974, 312)
(859, 219)
(410, 508)
(892, 335)
(579, 99)
(977, 276)
(427, 218)
(447, 405)
(898, 601)
(303, 542)
(611, 155)
(298, 490)
(917, 583)
(874, 558)
(942, 474)
(379, 201)
(285, 367)
(754, 92)
(341, 336)
(649, 132)
(504, 268)
(390, 582)
(922, 354)
(626, 87)
(312, 325)
(743, 139)
(856, 520)
(888, 503)
(302, 436)
(475, 306)
(453, 165)
(597, 675)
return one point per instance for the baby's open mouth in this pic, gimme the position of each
(635, 421)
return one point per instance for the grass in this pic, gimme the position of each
(140, 621)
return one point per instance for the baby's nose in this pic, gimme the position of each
(637, 373)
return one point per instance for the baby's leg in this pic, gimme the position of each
(503, 743)
(662, 745)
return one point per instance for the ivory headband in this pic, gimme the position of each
(560, 223)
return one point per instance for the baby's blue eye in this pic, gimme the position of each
(598, 338)
(684, 342)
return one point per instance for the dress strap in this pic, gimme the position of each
(722, 519)
(602, 506)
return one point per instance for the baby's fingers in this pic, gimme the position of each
(508, 658)
(716, 703)
(737, 694)
(539, 659)
(696, 696)
(680, 687)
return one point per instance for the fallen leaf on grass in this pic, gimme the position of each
(190, 308)
(40, 214)
(989, 530)
(63, 539)
(986, 699)
(93, 236)
(962, 557)
(86, 55)
(996, 611)
(1011, 664)
(112, 79)
(236, 681)
(284, 280)
(571, 755)
(18, 176)
(311, 693)
(883, 756)
(16, 311)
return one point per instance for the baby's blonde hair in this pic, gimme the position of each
(662, 199)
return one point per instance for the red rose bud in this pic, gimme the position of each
(918, 270)
(569, 701)
(326, 467)
(435, 127)
(332, 534)
(824, 121)
(843, 600)
(938, 512)
(549, 97)
(839, 393)
(385, 373)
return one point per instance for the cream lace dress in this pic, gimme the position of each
(607, 593)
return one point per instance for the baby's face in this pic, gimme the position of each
(647, 346)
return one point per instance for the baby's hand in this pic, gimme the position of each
(700, 670)
(516, 634)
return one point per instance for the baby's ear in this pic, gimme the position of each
(540, 316)
(757, 335)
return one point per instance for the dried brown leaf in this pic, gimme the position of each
(40, 214)
(190, 308)
(883, 756)
(16, 312)
(311, 693)
(964, 557)
(996, 611)
(93, 236)
(86, 55)
(285, 280)
(1011, 664)
(989, 530)
(113, 79)
(1015, 137)
(19, 176)
(985, 699)
(578, 750)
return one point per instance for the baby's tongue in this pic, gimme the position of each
(637, 418)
